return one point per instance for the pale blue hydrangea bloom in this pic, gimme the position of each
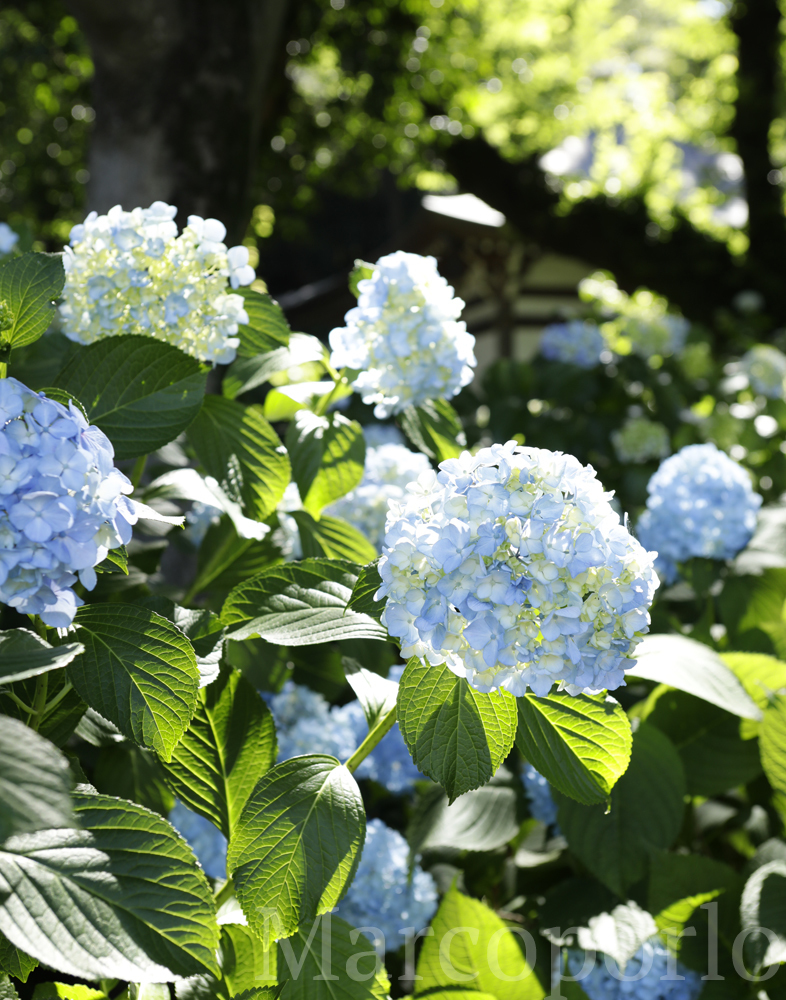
(542, 806)
(382, 898)
(765, 367)
(512, 568)
(639, 440)
(388, 470)
(205, 840)
(62, 504)
(650, 333)
(130, 272)
(306, 723)
(577, 342)
(404, 336)
(701, 503)
(8, 238)
(379, 434)
(646, 974)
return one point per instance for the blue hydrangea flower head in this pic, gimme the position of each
(205, 840)
(130, 272)
(578, 342)
(8, 239)
(62, 503)
(765, 367)
(382, 894)
(388, 470)
(639, 440)
(542, 806)
(701, 503)
(404, 336)
(511, 567)
(647, 976)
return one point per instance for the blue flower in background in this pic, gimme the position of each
(541, 805)
(305, 723)
(577, 343)
(205, 840)
(62, 504)
(382, 894)
(701, 503)
(645, 973)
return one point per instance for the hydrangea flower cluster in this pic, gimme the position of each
(306, 723)
(404, 337)
(383, 897)
(578, 343)
(647, 976)
(639, 440)
(62, 504)
(130, 272)
(701, 503)
(8, 239)
(649, 335)
(542, 806)
(511, 567)
(388, 470)
(206, 841)
(765, 367)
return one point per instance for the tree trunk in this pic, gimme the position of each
(181, 94)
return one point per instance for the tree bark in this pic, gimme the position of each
(181, 92)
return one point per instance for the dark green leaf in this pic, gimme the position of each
(581, 744)
(297, 845)
(246, 374)
(25, 654)
(764, 906)
(239, 448)
(362, 599)
(120, 898)
(349, 969)
(714, 756)
(15, 962)
(456, 735)
(333, 538)
(28, 286)
(680, 883)
(225, 559)
(299, 604)
(267, 326)
(647, 806)
(435, 429)
(229, 745)
(245, 963)
(141, 392)
(484, 819)
(327, 454)
(468, 938)
(35, 781)
(127, 771)
(64, 707)
(139, 671)
(691, 666)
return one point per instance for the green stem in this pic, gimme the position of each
(226, 892)
(381, 729)
(138, 470)
(18, 701)
(3, 369)
(68, 686)
(39, 700)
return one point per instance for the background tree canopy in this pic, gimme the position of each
(643, 137)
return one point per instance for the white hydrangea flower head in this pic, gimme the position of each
(511, 567)
(130, 272)
(62, 504)
(404, 336)
(383, 896)
(701, 503)
(765, 367)
(8, 239)
(388, 470)
(577, 342)
(639, 440)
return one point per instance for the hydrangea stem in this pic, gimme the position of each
(39, 700)
(226, 892)
(138, 470)
(374, 737)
